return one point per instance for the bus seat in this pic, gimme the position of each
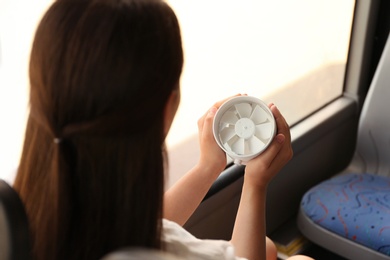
(349, 214)
(14, 231)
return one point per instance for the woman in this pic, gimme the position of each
(104, 78)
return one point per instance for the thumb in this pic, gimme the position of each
(208, 123)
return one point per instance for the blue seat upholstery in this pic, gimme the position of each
(349, 214)
(354, 206)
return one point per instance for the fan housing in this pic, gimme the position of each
(244, 127)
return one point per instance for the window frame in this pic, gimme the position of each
(323, 142)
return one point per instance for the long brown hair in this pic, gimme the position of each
(91, 173)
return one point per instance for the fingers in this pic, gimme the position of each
(283, 128)
(278, 153)
(207, 124)
(219, 103)
(281, 123)
(206, 121)
(213, 110)
(261, 170)
(268, 157)
(264, 167)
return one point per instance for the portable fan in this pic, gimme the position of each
(244, 127)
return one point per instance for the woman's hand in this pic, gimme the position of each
(260, 170)
(211, 155)
(181, 200)
(249, 229)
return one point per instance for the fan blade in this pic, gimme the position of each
(247, 149)
(228, 144)
(239, 146)
(226, 134)
(229, 118)
(227, 147)
(259, 115)
(244, 110)
(264, 131)
(255, 144)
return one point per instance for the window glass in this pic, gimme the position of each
(18, 20)
(291, 53)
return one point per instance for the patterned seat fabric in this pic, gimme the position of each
(354, 206)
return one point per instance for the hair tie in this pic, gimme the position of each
(57, 140)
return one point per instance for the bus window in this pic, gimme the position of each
(18, 21)
(291, 53)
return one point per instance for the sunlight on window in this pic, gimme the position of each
(18, 21)
(291, 53)
(256, 47)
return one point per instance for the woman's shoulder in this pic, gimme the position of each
(180, 242)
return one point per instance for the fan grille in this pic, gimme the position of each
(245, 126)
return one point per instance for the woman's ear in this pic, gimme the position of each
(170, 109)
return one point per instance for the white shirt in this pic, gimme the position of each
(179, 242)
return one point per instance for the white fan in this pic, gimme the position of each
(244, 127)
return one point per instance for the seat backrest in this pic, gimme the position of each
(14, 231)
(373, 143)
